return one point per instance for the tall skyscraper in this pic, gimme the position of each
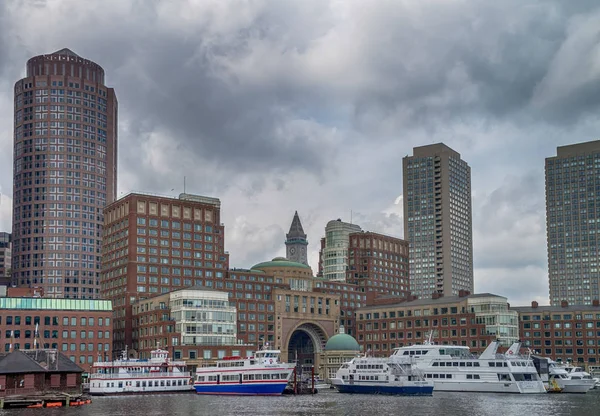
(333, 256)
(153, 245)
(437, 220)
(572, 223)
(65, 172)
(296, 242)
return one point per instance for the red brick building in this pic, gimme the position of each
(467, 320)
(154, 245)
(378, 263)
(564, 333)
(81, 329)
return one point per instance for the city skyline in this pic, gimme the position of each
(313, 120)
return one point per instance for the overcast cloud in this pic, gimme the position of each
(277, 106)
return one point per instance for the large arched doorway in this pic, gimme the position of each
(305, 345)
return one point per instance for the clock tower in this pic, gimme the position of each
(296, 243)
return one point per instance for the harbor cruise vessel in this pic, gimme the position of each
(133, 376)
(263, 374)
(370, 375)
(570, 381)
(454, 368)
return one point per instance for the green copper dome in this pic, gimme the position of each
(342, 342)
(279, 262)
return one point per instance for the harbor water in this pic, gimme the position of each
(329, 402)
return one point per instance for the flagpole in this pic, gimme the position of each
(35, 337)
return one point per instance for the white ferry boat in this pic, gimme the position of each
(454, 368)
(263, 374)
(132, 376)
(369, 375)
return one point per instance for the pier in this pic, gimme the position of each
(39, 400)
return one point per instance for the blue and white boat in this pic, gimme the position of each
(260, 375)
(369, 375)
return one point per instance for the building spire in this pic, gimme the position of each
(296, 242)
(296, 230)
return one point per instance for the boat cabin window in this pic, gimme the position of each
(523, 377)
(494, 364)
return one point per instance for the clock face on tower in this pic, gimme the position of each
(292, 250)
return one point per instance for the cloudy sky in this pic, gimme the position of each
(277, 106)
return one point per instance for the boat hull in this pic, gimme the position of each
(247, 389)
(108, 391)
(491, 387)
(576, 386)
(389, 389)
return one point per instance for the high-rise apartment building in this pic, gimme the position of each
(437, 221)
(296, 242)
(333, 256)
(572, 223)
(5, 258)
(153, 245)
(65, 172)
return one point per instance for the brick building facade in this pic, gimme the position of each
(81, 329)
(564, 333)
(378, 262)
(468, 320)
(156, 244)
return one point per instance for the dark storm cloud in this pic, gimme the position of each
(281, 105)
(479, 61)
(510, 226)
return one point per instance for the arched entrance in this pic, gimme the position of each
(306, 343)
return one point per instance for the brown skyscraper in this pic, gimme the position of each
(65, 172)
(437, 221)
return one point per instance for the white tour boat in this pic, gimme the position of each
(131, 375)
(454, 368)
(370, 375)
(263, 374)
(580, 376)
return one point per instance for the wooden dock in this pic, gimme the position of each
(42, 400)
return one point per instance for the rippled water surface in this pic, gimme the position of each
(332, 403)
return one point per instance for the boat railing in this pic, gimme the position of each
(139, 375)
(138, 363)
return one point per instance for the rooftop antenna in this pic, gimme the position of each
(184, 184)
(350, 216)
